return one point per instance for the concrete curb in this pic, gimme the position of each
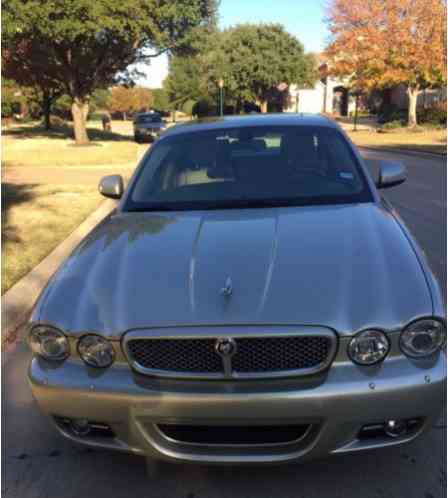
(409, 152)
(18, 301)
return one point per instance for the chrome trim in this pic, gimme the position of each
(221, 332)
(224, 445)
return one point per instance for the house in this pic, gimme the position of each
(331, 95)
(328, 95)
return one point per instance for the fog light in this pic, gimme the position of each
(80, 426)
(368, 347)
(422, 338)
(395, 428)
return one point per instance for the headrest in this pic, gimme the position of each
(222, 167)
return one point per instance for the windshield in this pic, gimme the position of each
(249, 167)
(148, 118)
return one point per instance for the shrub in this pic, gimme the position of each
(203, 107)
(6, 109)
(95, 116)
(435, 115)
(57, 121)
(7, 122)
(188, 106)
(391, 112)
(63, 107)
(393, 125)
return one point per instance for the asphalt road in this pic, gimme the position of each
(37, 462)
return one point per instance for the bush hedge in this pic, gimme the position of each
(393, 125)
(435, 115)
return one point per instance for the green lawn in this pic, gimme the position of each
(35, 219)
(426, 141)
(39, 210)
(31, 145)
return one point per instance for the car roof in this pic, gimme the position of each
(140, 114)
(241, 121)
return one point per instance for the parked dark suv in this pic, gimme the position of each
(148, 126)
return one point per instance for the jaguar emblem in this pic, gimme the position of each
(227, 290)
(225, 347)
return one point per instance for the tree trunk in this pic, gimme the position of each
(80, 108)
(86, 112)
(46, 108)
(264, 106)
(413, 92)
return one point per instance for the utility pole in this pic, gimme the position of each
(221, 97)
(355, 121)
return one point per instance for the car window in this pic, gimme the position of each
(148, 118)
(249, 167)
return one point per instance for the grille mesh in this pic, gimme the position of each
(176, 355)
(268, 354)
(255, 355)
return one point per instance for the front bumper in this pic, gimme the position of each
(336, 405)
(147, 132)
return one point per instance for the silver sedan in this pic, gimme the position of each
(252, 299)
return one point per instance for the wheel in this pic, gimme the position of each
(137, 138)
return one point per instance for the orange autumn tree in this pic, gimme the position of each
(129, 99)
(379, 43)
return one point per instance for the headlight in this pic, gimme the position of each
(368, 347)
(422, 338)
(49, 342)
(96, 351)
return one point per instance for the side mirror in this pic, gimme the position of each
(391, 173)
(111, 186)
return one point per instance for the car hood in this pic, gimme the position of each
(346, 267)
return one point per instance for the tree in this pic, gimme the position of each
(143, 99)
(160, 99)
(23, 65)
(11, 98)
(129, 99)
(382, 43)
(183, 80)
(99, 98)
(188, 106)
(253, 60)
(121, 100)
(83, 45)
(203, 107)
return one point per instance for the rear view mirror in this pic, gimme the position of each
(111, 186)
(391, 173)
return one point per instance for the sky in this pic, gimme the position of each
(302, 18)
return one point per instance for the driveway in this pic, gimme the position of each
(39, 463)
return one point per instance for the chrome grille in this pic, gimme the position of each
(259, 356)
